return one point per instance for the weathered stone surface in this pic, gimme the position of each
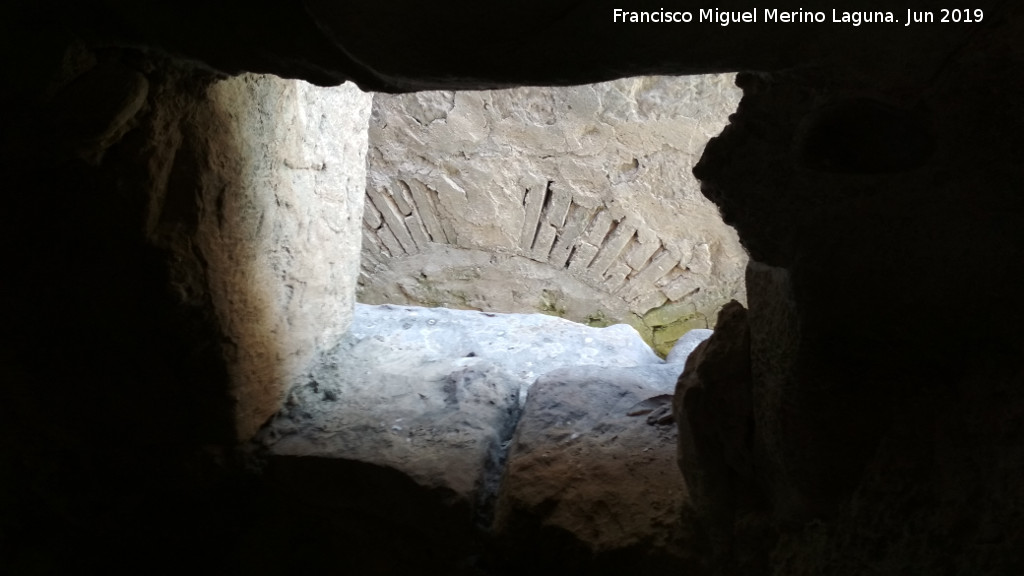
(438, 425)
(279, 189)
(100, 463)
(590, 181)
(589, 484)
(863, 397)
(714, 412)
(432, 395)
(94, 110)
(683, 347)
(245, 189)
(774, 352)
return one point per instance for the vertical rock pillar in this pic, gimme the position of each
(279, 227)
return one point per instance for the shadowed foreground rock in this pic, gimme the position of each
(714, 413)
(406, 422)
(590, 485)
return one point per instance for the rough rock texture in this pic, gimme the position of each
(281, 189)
(903, 263)
(170, 210)
(114, 437)
(95, 110)
(774, 328)
(424, 401)
(685, 346)
(590, 486)
(714, 413)
(884, 440)
(569, 201)
(403, 370)
(253, 186)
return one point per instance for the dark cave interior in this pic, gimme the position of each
(864, 415)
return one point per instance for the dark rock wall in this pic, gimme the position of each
(406, 45)
(114, 404)
(713, 407)
(155, 312)
(876, 182)
(886, 222)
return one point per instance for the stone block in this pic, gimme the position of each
(589, 483)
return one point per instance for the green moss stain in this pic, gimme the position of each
(659, 327)
(665, 336)
(550, 304)
(598, 319)
(645, 331)
(428, 294)
(669, 313)
(666, 324)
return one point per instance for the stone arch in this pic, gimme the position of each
(574, 201)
